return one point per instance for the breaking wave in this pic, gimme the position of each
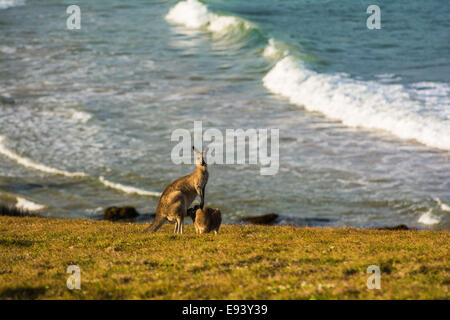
(428, 218)
(367, 104)
(28, 163)
(357, 103)
(128, 189)
(5, 4)
(195, 15)
(28, 205)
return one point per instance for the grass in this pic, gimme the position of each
(118, 261)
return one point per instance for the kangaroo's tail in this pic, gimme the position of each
(157, 223)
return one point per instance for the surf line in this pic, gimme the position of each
(356, 103)
(28, 163)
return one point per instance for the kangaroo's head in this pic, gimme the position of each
(200, 157)
(191, 212)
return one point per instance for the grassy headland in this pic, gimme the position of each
(119, 261)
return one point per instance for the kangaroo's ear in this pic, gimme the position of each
(204, 153)
(198, 156)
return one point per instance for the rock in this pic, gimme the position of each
(396, 228)
(12, 211)
(6, 100)
(120, 213)
(264, 219)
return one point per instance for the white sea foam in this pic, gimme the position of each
(94, 211)
(271, 51)
(443, 206)
(435, 96)
(26, 162)
(275, 50)
(37, 166)
(28, 205)
(128, 189)
(80, 116)
(195, 15)
(5, 4)
(73, 115)
(357, 103)
(7, 50)
(428, 218)
(387, 78)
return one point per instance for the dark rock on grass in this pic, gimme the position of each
(6, 100)
(14, 212)
(396, 228)
(263, 219)
(120, 213)
(276, 219)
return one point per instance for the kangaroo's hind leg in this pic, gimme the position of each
(181, 225)
(178, 224)
(176, 214)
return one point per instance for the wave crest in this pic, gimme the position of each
(28, 163)
(368, 104)
(357, 103)
(195, 15)
(5, 4)
(128, 189)
(28, 205)
(428, 218)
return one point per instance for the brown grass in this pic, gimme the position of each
(118, 261)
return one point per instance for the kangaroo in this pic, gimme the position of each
(206, 219)
(178, 196)
(191, 212)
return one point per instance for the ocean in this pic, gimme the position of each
(363, 114)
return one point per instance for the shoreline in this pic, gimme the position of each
(269, 219)
(119, 261)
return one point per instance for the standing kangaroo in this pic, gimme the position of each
(178, 196)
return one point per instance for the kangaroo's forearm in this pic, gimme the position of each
(202, 197)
